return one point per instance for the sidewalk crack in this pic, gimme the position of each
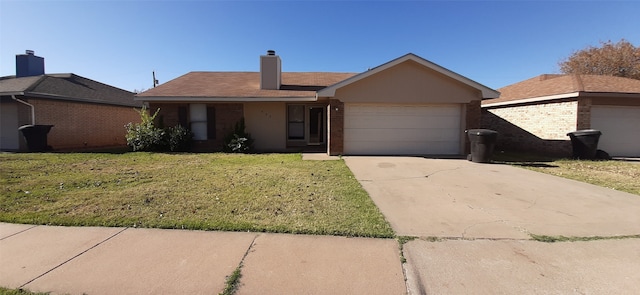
(233, 280)
(74, 257)
(24, 230)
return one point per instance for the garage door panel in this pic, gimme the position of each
(396, 130)
(397, 121)
(620, 128)
(407, 135)
(408, 148)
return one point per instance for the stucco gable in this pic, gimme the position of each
(408, 82)
(435, 70)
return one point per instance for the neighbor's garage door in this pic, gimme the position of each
(402, 129)
(620, 128)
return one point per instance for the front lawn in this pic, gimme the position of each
(619, 175)
(233, 192)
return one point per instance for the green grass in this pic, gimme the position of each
(553, 239)
(232, 283)
(5, 291)
(231, 192)
(618, 175)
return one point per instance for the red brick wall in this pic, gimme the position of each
(82, 125)
(336, 127)
(227, 115)
(584, 114)
(472, 120)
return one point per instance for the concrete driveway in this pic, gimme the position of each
(483, 215)
(457, 198)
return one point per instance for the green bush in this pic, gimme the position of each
(145, 136)
(239, 141)
(179, 139)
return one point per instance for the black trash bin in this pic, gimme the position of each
(482, 143)
(585, 143)
(36, 136)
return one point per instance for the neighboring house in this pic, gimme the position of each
(85, 113)
(408, 106)
(536, 114)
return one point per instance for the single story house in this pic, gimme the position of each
(86, 114)
(536, 114)
(407, 106)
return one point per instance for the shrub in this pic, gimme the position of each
(179, 138)
(239, 141)
(144, 136)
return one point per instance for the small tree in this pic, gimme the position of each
(144, 136)
(620, 59)
(238, 141)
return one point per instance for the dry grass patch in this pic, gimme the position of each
(618, 175)
(272, 193)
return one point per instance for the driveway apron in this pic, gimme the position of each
(462, 199)
(482, 215)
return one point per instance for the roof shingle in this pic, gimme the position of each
(67, 87)
(554, 84)
(244, 84)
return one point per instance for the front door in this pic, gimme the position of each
(316, 125)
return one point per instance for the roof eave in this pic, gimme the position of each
(224, 99)
(532, 99)
(9, 93)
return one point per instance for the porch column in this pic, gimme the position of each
(335, 146)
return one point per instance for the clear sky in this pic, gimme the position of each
(121, 42)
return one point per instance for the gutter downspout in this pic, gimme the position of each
(33, 109)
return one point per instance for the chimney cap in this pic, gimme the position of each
(29, 52)
(271, 52)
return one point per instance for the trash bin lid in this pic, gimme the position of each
(585, 132)
(482, 131)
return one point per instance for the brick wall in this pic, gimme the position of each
(538, 128)
(227, 115)
(584, 114)
(473, 120)
(336, 127)
(81, 125)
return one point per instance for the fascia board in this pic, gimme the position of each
(532, 99)
(9, 93)
(223, 99)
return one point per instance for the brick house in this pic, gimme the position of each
(86, 114)
(407, 106)
(535, 115)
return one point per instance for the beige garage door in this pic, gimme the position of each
(620, 128)
(402, 129)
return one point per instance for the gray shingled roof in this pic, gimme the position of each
(67, 87)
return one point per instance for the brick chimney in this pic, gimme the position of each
(29, 64)
(270, 71)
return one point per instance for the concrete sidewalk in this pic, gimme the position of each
(483, 215)
(89, 260)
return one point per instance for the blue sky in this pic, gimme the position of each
(121, 42)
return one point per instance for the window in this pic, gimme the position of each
(295, 121)
(198, 121)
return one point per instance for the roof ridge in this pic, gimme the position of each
(36, 83)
